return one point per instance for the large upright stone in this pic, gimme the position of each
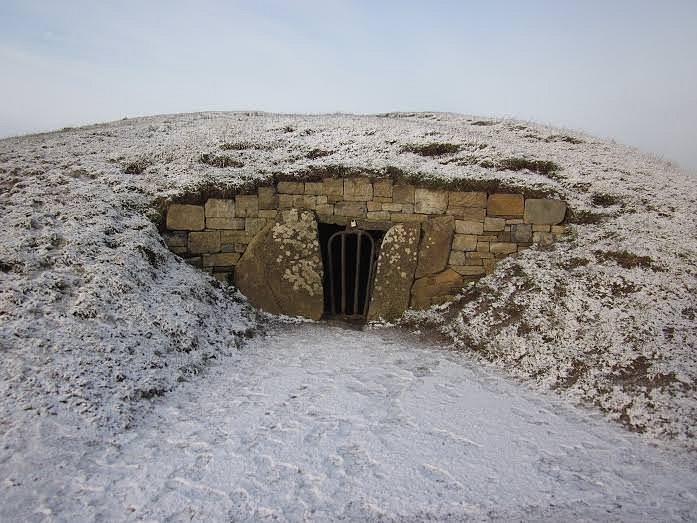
(181, 217)
(395, 272)
(434, 248)
(281, 271)
(544, 211)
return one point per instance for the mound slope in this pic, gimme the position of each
(96, 313)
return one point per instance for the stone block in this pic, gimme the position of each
(227, 237)
(358, 189)
(541, 228)
(504, 236)
(176, 239)
(473, 258)
(514, 221)
(322, 198)
(184, 217)
(424, 290)
(469, 227)
(521, 233)
(469, 270)
(494, 224)
(503, 248)
(400, 217)
(220, 208)
(254, 225)
(435, 245)
(285, 201)
(351, 209)
(223, 259)
(225, 223)
(501, 204)
(324, 208)
(430, 201)
(333, 187)
(392, 207)
(268, 213)
(268, 198)
(559, 230)
(204, 242)
(467, 199)
(314, 188)
(456, 258)
(246, 205)
(543, 238)
(544, 211)
(383, 188)
(374, 206)
(483, 246)
(304, 201)
(476, 214)
(464, 242)
(378, 215)
(402, 193)
(291, 187)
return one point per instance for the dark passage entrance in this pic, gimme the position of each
(349, 257)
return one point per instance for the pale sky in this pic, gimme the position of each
(618, 69)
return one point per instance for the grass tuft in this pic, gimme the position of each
(220, 160)
(605, 200)
(432, 149)
(628, 260)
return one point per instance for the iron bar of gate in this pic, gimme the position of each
(343, 273)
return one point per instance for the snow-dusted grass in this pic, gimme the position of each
(96, 314)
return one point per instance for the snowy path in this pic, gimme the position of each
(317, 423)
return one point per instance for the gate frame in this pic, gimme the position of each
(359, 242)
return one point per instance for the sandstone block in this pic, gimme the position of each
(176, 239)
(467, 199)
(224, 259)
(304, 201)
(383, 188)
(501, 204)
(220, 208)
(254, 225)
(469, 227)
(268, 213)
(456, 258)
(354, 209)
(503, 248)
(395, 272)
(559, 230)
(285, 201)
(228, 237)
(476, 214)
(322, 198)
(402, 193)
(544, 211)
(184, 217)
(374, 206)
(314, 188)
(541, 228)
(494, 224)
(246, 205)
(543, 238)
(521, 233)
(469, 270)
(324, 208)
(225, 223)
(392, 207)
(514, 221)
(483, 246)
(434, 248)
(291, 187)
(268, 199)
(378, 215)
(204, 242)
(464, 242)
(333, 186)
(358, 189)
(430, 201)
(424, 290)
(400, 217)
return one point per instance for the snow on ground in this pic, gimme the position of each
(317, 422)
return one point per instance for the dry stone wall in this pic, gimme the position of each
(462, 234)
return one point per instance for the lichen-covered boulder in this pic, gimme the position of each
(434, 248)
(281, 270)
(395, 272)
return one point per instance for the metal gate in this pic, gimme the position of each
(362, 272)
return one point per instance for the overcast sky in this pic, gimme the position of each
(620, 69)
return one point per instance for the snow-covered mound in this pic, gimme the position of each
(96, 313)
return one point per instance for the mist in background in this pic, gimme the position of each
(625, 70)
